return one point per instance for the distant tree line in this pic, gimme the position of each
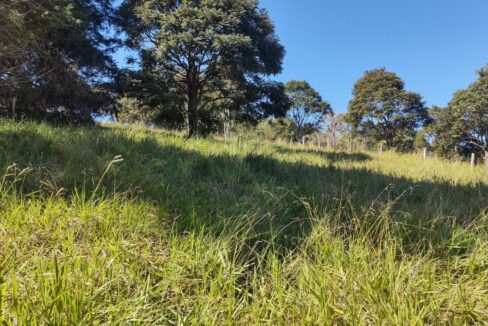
(206, 67)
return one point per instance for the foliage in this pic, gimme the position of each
(469, 112)
(446, 139)
(132, 111)
(381, 108)
(54, 58)
(307, 108)
(215, 54)
(462, 127)
(421, 140)
(147, 99)
(275, 130)
(212, 232)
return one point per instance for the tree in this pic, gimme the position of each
(421, 141)
(147, 98)
(307, 108)
(217, 54)
(468, 112)
(462, 127)
(446, 139)
(334, 126)
(54, 58)
(381, 108)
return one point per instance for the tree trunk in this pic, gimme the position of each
(192, 98)
(14, 107)
(192, 121)
(299, 136)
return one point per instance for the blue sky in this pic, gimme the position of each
(434, 45)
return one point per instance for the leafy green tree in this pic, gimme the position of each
(216, 53)
(54, 58)
(307, 108)
(147, 98)
(468, 112)
(381, 108)
(421, 141)
(462, 127)
(272, 129)
(446, 138)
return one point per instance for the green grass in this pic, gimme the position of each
(216, 232)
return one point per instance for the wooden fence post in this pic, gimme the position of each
(350, 146)
(425, 153)
(473, 160)
(381, 149)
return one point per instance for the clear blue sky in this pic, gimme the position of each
(434, 45)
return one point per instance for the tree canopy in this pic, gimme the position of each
(54, 58)
(204, 66)
(464, 123)
(381, 108)
(307, 108)
(216, 54)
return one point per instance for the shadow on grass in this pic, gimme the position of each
(330, 156)
(255, 194)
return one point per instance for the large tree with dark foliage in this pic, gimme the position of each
(147, 98)
(445, 137)
(382, 109)
(216, 54)
(464, 124)
(54, 58)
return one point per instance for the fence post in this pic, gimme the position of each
(486, 158)
(425, 153)
(473, 160)
(350, 146)
(319, 143)
(381, 149)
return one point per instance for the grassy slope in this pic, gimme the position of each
(213, 232)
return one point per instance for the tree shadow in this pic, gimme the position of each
(330, 156)
(267, 200)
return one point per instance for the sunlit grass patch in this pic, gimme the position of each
(178, 231)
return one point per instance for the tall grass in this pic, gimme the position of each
(218, 232)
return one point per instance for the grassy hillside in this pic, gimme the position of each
(178, 231)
